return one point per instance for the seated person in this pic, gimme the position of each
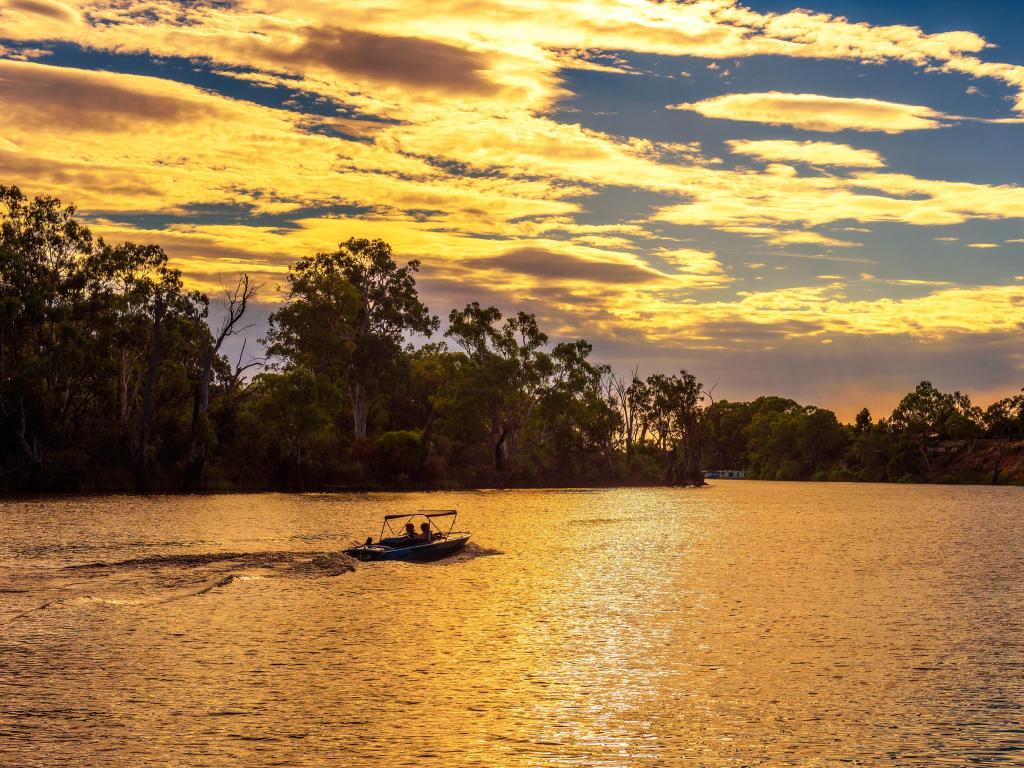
(430, 535)
(410, 532)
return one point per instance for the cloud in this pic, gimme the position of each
(744, 199)
(45, 95)
(49, 9)
(552, 265)
(982, 245)
(449, 144)
(808, 237)
(521, 51)
(914, 281)
(811, 152)
(790, 236)
(598, 271)
(813, 112)
(408, 61)
(691, 260)
(1010, 74)
(811, 311)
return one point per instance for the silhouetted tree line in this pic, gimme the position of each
(112, 377)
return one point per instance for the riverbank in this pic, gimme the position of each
(976, 462)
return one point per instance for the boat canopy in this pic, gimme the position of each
(425, 513)
(429, 514)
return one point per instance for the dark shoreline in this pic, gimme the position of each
(370, 489)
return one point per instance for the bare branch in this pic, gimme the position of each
(240, 368)
(236, 301)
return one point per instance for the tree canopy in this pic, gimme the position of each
(112, 376)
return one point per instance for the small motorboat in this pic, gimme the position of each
(431, 544)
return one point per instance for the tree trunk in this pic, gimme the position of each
(671, 469)
(924, 454)
(122, 388)
(499, 449)
(421, 465)
(1003, 446)
(32, 451)
(358, 409)
(197, 442)
(142, 479)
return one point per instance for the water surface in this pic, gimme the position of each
(742, 624)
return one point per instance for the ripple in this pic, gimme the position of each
(766, 624)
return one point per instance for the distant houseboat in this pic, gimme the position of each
(726, 474)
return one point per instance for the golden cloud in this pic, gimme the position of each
(811, 152)
(449, 149)
(813, 112)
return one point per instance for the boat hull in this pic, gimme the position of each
(419, 553)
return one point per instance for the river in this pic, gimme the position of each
(741, 624)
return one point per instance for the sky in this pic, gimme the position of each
(822, 203)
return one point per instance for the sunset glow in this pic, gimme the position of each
(821, 203)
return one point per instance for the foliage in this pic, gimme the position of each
(111, 377)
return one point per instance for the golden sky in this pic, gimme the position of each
(819, 203)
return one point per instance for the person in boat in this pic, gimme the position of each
(410, 532)
(425, 532)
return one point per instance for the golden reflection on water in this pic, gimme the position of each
(742, 624)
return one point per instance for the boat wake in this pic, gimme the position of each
(309, 564)
(159, 579)
(470, 552)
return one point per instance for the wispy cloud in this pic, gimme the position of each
(811, 152)
(813, 112)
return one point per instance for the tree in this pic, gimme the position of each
(788, 441)
(623, 397)
(672, 407)
(862, 423)
(347, 314)
(578, 420)
(287, 427)
(926, 412)
(507, 370)
(1004, 421)
(42, 252)
(165, 300)
(83, 344)
(727, 424)
(236, 301)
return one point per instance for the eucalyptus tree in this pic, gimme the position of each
(42, 250)
(862, 423)
(580, 410)
(680, 420)
(236, 301)
(347, 315)
(928, 412)
(623, 396)
(138, 295)
(507, 369)
(82, 341)
(1004, 422)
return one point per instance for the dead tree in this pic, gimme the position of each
(236, 301)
